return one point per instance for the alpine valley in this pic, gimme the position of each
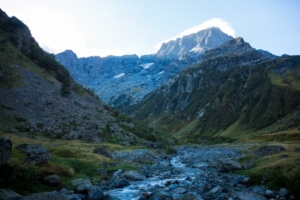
(205, 117)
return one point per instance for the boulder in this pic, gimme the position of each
(192, 196)
(133, 175)
(82, 185)
(101, 150)
(160, 195)
(200, 165)
(229, 165)
(95, 193)
(36, 153)
(9, 194)
(5, 149)
(53, 180)
(283, 192)
(250, 196)
(216, 190)
(120, 183)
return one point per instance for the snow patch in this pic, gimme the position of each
(146, 65)
(119, 75)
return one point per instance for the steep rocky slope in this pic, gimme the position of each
(124, 80)
(233, 90)
(39, 96)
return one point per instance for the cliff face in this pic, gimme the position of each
(124, 80)
(233, 89)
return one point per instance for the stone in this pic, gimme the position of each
(101, 150)
(250, 196)
(283, 192)
(48, 196)
(82, 185)
(200, 165)
(9, 194)
(160, 195)
(94, 193)
(5, 150)
(36, 153)
(120, 183)
(133, 175)
(216, 190)
(229, 165)
(192, 196)
(53, 180)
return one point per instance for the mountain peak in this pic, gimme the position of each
(194, 44)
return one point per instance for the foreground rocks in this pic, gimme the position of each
(36, 153)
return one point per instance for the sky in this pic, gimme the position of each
(125, 27)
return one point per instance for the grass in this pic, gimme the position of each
(281, 172)
(71, 160)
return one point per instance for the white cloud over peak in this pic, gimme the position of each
(215, 22)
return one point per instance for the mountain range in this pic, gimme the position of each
(124, 80)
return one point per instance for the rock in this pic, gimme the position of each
(249, 164)
(9, 194)
(283, 192)
(192, 196)
(101, 150)
(200, 165)
(120, 183)
(48, 196)
(36, 153)
(160, 195)
(53, 180)
(133, 175)
(82, 185)
(216, 190)
(270, 194)
(250, 196)
(5, 149)
(283, 156)
(268, 150)
(95, 193)
(229, 165)
(178, 193)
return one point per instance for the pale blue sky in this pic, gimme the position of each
(118, 27)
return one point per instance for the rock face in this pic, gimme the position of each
(125, 80)
(5, 149)
(36, 153)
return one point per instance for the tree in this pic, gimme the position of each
(65, 89)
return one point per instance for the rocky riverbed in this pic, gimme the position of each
(192, 173)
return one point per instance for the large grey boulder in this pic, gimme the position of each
(9, 194)
(36, 153)
(5, 149)
(133, 175)
(82, 185)
(160, 195)
(229, 165)
(53, 180)
(95, 193)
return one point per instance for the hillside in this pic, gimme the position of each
(39, 96)
(233, 91)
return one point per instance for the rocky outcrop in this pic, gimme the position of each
(53, 180)
(268, 150)
(5, 150)
(36, 153)
(101, 150)
(229, 165)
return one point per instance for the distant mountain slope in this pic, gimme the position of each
(233, 90)
(39, 96)
(124, 80)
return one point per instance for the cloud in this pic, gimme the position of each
(215, 22)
